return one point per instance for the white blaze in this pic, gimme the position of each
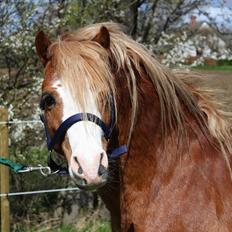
(85, 137)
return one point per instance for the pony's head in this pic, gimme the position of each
(87, 71)
(74, 84)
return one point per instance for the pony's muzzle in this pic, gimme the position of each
(89, 175)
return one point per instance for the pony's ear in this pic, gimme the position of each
(103, 37)
(42, 43)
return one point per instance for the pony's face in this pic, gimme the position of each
(84, 145)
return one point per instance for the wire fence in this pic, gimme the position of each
(15, 121)
(76, 189)
(8, 194)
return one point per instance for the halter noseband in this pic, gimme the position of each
(64, 126)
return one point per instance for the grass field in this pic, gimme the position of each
(95, 226)
(215, 68)
(90, 226)
(221, 83)
(222, 65)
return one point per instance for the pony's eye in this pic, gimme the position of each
(47, 101)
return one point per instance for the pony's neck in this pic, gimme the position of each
(147, 122)
(148, 144)
(147, 129)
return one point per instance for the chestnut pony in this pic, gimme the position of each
(176, 175)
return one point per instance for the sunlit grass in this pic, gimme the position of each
(96, 226)
(214, 68)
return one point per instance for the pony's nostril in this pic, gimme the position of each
(80, 170)
(102, 170)
(75, 158)
(84, 181)
(101, 157)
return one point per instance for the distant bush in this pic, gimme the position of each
(224, 62)
(214, 68)
(222, 65)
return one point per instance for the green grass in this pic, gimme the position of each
(64, 228)
(93, 226)
(222, 65)
(97, 226)
(214, 68)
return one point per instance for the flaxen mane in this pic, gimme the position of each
(83, 64)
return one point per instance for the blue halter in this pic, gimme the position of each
(64, 126)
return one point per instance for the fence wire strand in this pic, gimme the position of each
(40, 191)
(19, 122)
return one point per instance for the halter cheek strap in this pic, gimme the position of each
(62, 129)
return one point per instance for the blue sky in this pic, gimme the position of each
(221, 14)
(220, 11)
(229, 3)
(225, 2)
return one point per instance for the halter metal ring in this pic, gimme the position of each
(45, 171)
